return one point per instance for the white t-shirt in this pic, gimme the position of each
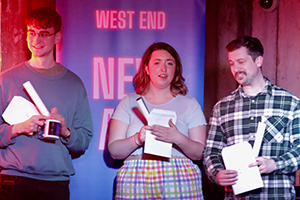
(188, 111)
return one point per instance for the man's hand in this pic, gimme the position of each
(265, 165)
(64, 131)
(29, 126)
(227, 177)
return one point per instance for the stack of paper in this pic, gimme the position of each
(238, 157)
(153, 146)
(19, 110)
(156, 117)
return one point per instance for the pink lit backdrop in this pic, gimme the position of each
(103, 42)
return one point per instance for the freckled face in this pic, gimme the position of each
(243, 68)
(161, 69)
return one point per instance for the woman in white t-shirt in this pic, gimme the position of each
(159, 82)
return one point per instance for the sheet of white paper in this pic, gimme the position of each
(36, 98)
(19, 110)
(238, 157)
(153, 146)
(258, 137)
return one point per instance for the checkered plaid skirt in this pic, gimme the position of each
(154, 179)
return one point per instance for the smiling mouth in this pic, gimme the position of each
(240, 75)
(162, 76)
(35, 47)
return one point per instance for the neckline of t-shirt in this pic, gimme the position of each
(45, 76)
(160, 104)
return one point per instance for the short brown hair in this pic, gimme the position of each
(254, 46)
(44, 18)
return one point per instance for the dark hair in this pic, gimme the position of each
(254, 46)
(44, 18)
(141, 80)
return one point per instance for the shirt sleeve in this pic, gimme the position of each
(81, 128)
(121, 112)
(195, 116)
(216, 141)
(289, 162)
(5, 129)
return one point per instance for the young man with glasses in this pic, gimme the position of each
(32, 166)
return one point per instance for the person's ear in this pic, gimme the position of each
(57, 37)
(147, 69)
(259, 61)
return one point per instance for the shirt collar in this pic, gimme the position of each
(268, 89)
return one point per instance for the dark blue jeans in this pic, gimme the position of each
(21, 188)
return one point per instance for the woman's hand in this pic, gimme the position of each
(141, 135)
(119, 145)
(192, 145)
(167, 134)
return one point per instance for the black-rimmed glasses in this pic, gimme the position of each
(42, 34)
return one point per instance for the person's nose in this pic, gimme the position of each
(163, 67)
(37, 38)
(236, 67)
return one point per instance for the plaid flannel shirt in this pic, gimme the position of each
(235, 119)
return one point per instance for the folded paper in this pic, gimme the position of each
(36, 98)
(153, 146)
(238, 157)
(19, 110)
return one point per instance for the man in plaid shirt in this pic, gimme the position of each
(235, 119)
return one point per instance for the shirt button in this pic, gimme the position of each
(252, 118)
(253, 101)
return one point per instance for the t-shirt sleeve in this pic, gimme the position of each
(121, 112)
(195, 116)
